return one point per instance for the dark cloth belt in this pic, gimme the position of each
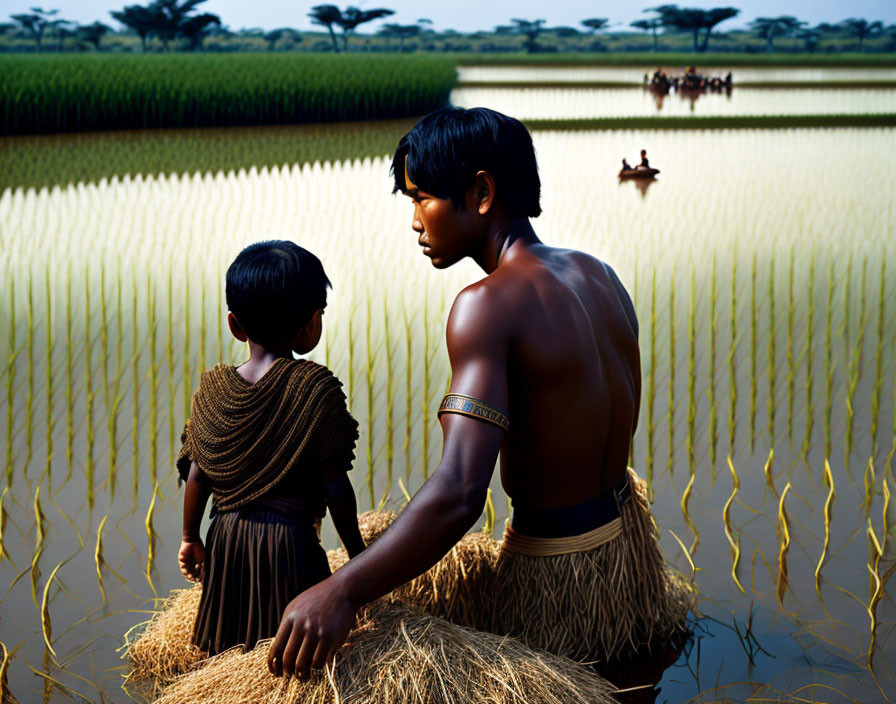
(295, 510)
(564, 521)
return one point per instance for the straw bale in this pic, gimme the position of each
(401, 655)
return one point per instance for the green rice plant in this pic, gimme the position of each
(772, 370)
(202, 325)
(50, 421)
(489, 526)
(351, 353)
(112, 417)
(754, 346)
(878, 354)
(692, 373)
(828, 363)
(153, 380)
(784, 531)
(220, 316)
(809, 350)
(855, 365)
(671, 375)
(427, 383)
(828, 506)
(767, 471)
(89, 468)
(408, 390)
(685, 497)
(69, 378)
(98, 558)
(3, 525)
(104, 349)
(11, 381)
(135, 393)
(869, 479)
(188, 382)
(732, 357)
(169, 357)
(40, 537)
(844, 325)
(45, 623)
(651, 381)
(791, 312)
(713, 332)
(875, 588)
(370, 378)
(390, 394)
(150, 538)
(47, 93)
(729, 531)
(29, 399)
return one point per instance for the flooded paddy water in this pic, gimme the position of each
(765, 301)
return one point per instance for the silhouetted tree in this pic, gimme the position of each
(138, 18)
(195, 29)
(649, 25)
(596, 24)
(862, 29)
(400, 32)
(36, 23)
(690, 19)
(275, 35)
(530, 28)
(326, 16)
(93, 33)
(351, 17)
(770, 27)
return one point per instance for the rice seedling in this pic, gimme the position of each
(46, 625)
(855, 363)
(651, 381)
(427, 382)
(692, 373)
(828, 363)
(69, 377)
(187, 373)
(4, 674)
(754, 346)
(767, 471)
(390, 393)
(784, 531)
(729, 532)
(135, 391)
(50, 417)
(169, 358)
(203, 331)
(89, 468)
(3, 525)
(370, 377)
(10, 382)
(828, 506)
(791, 312)
(671, 412)
(687, 555)
(350, 377)
(809, 351)
(732, 356)
(869, 480)
(713, 331)
(40, 536)
(489, 526)
(29, 399)
(112, 417)
(687, 517)
(878, 354)
(98, 558)
(153, 380)
(104, 367)
(772, 369)
(150, 539)
(408, 390)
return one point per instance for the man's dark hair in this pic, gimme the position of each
(447, 147)
(273, 289)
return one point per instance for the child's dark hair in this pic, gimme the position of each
(273, 289)
(447, 147)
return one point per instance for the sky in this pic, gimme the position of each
(472, 15)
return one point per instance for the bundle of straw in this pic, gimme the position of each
(401, 655)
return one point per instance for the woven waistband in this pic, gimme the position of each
(558, 531)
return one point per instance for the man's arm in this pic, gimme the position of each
(316, 623)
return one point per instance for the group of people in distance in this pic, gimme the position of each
(661, 82)
(546, 375)
(643, 164)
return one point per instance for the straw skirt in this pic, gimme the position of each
(256, 563)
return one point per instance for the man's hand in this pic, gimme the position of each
(314, 626)
(192, 559)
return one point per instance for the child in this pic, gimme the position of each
(271, 441)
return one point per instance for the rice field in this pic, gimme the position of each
(768, 422)
(558, 103)
(635, 74)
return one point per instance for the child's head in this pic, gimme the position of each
(276, 292)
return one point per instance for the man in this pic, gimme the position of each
(546, 372)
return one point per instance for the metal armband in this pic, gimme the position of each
(473, 407)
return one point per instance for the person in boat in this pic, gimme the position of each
(644, 163)
(625, 165)
(545, 373)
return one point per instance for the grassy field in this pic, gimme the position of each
(63, 93)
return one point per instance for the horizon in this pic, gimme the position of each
(468, 16)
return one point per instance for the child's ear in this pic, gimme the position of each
(236, 328)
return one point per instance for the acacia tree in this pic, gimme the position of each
(862, 29)
(351, 17)
(649, 25)
(326, 16)
(400, 32)
(693, 20)
(93, 33)
(37, 22)
(138, 18)
(531, 28)
(770, 27)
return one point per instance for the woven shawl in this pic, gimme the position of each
(246, 437)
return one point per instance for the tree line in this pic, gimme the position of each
(180, 20)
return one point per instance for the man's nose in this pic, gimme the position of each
(416, 225)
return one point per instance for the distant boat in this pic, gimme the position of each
(638, 173)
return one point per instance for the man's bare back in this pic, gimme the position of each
(574, 377)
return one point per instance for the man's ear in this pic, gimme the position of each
(235, 328)
(483, 192)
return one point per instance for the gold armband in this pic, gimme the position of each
(473, 407)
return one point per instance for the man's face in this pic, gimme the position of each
(446, 235)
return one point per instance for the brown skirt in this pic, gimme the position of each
(256, 563)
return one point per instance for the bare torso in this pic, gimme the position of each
(574, 377)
